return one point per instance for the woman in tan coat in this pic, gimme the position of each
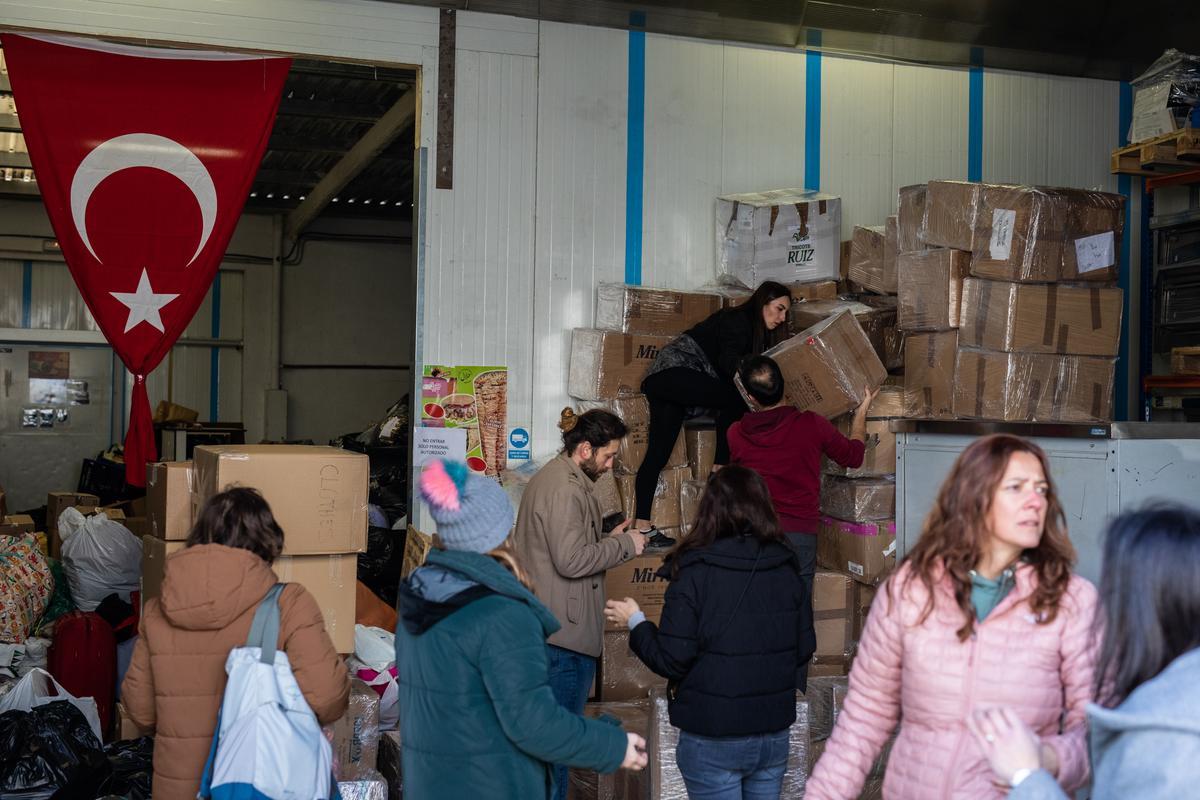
(209, 594)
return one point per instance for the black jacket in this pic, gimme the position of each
(734, 656)
(726, 337)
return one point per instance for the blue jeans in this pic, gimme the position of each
(733, 768)
(571, 676)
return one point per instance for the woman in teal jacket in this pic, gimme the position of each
(477, 716)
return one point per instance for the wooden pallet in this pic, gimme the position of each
(1171, 152)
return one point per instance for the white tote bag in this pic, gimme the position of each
(268, 742)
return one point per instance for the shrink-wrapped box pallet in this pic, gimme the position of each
(1033, 387)
(1041, 318)
(889, 403)
(784, 235)
(605, 362)
(701, 450)
(910, 218)
(634, 717)
(622, 676)
(869, 266)
(634, 410)
(875, 314)
(950, 211)
(667, 784)
(833, 622)
(827, 367)
(1039, 234)
(641, 309)
(931, 288)
(689, 504)
(929, 362)
(860, 499)
(879, 458)
(824, 693)
(864, 550)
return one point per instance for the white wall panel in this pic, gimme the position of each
(580, 220)
(12, 286)
(55, 301)
(1083, 118)
(684, 156)
(856, 139)
(929, 125)
(763, 120)
(1016, 128)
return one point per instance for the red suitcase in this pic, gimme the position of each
(83, 658)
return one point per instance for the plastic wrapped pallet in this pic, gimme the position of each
(910, 218)
(950, 211)
(623, 677)
(634, 410)
(634, 717)
(889, 403)
(859, 499)
(608, 495)
(891, 249)
(1164, 95)
(701, 451)
(868, 262)
(812, 290)
(879, 457)
(364, 784)
(640, 309)
(824, 695)
(1041, 318)
(931, 289)
(689, 504)
(355, 737)
(834, 610)
(667, 784)
(864, 550)
(929, 362)
(605, 362)
(784, 235)
(875, 313)
(827, 367)
(1037, 234)
(1033, 387)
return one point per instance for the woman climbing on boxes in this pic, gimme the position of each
(983, 612)
(696, 371)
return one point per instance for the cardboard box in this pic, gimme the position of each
(623, 784)
(169, 500)
(859, 499)
(891, 249)
(827, 367)
(16, 525)
(634, 411)
(1185, 360)
(875, 314)
(640, 309)
(929, 362)
(1037, 234)
(664, 511)
(607, 494)
(623, 676)
(864, 550)
(931, 288)
(785, 235)
(689, 504)
(1033, 387)
(416, 546)
(868, 260)
(605, 362)
(818, 290)
(833, 616)
(910, 218)
(58, 502)
(1041, 318)
(701, 451)
(317, 494)
(889, 403)
(154, 564)
(124, 728)
(880, 456)
(863, 597)
(637, 578)
(626, 486)
(355, 737)
(950, 211)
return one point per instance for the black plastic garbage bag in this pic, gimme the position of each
(379, 567)
(132, 763)
(50, 752)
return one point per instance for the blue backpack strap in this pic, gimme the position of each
(264, 631)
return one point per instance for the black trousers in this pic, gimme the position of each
(805, 545)
(670, 393)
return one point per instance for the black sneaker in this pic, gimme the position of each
(657, 540)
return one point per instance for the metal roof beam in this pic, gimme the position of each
(382, 133)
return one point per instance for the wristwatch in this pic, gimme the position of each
(1019, 776)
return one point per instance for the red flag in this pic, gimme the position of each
(144, 158)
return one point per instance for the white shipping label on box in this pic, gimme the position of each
(1151, 115)
(1003, 221)
(1095, 252)
(431, 443)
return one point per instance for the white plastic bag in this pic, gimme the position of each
(35, 690)
(100, 557)
(375, 647)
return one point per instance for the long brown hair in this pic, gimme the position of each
(735, 502)
(956, 531)
(752, 307)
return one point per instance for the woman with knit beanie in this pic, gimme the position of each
(477, 716)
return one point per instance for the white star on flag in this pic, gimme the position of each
(143, 304)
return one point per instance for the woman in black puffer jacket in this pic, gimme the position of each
(733, 636)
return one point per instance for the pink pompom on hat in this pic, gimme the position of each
(472, 512)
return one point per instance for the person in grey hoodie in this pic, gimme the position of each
(1145, 732)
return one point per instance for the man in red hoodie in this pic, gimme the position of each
(784, 445)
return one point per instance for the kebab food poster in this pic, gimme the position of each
(473, 400)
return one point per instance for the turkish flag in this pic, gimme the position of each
(144, 158)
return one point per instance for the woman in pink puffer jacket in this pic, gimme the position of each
(983, 612)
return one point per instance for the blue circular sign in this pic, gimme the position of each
(519, 438)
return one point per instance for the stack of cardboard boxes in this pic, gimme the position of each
(318, 496)
(1007, 295)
